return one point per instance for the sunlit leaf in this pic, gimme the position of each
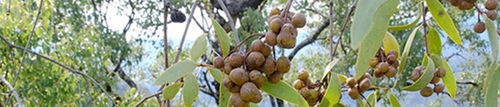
(434, 42)
(491, 86)
(424, 79)
(443, 20)
(199, 47)
(223, 37)
(329, 67)
(394, 101)
(175, 72)
(372, 99)
(342, 78)
(404, 27)
(390, 43)
(493, 37)
(216, 74)
(449, 78)
(170, 91)
(407, 49)
(190, 90)
(332, 94)
(285, 92)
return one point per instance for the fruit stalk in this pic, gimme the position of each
(239, 45)
(425, 30)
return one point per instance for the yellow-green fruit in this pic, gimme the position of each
(435, 80)
(218, 62)
(275, 11)
(364, 85)
(257, 78)
(271, 18)
(491, 4)
(266, 51)
(438, 88)
(455, 2)
(303, 75)
(286, 40)
(257, 45)
(254, 60)
(239, 76)
(391, 72)
(313, 97)
(236, 101)
(227, 68)
(236, 60)
(283, 64)
(275, 77)
(353, 92)
(299, 20)
(249, 91)
(275, 25)
(351, 82)
(465, 6)
(479, 27)
(491, 14)
(426, 92)
(382, 67)
(230, 85)
(304, 91)
(271, 38)
(269, 66)
(298, 84)
(373, 62)
(440, 72)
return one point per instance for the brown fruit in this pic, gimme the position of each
(470, 1)
(353, 92)
(254, 60)
(218, 62)
(275, 77)
(364, 85)
(378, 74)
(455, 2)
(382, 67)
(479, 27)
(373, 62)
(365, 76)
(304, 91)
(287, 27)
(283, 64)
(266, 51)
(249, 91)
(227, 68)
(351, 82)
(440, 72)
(275, 11)
(417, 72)
(257, 45)
(269, 66)
(230, 85)
(395, 64)
(239, 76)
(391, 72)
(313, 97)
(286, 40)
(426, 92)
(491, 14)
(299, 20)
(438, 88)
(303, 75)
(391, 59)
(257, 78)
(275, 25)
(435, 80)
(236, 60)
(271, 38)
(298, 84)
(465, 6)
(393, 52)
(491, 4)
(236, 101)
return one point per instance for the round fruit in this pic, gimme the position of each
(364, 85)
(373, 62)
(440, 72)
(415, 75)
(254, 60)
(275, 25)
(286, 40)
(391, 59)
(230, 85)
(269, 66)
(393, 52)
(426, 92)
(378, 74)
(491, 14)
(479, 27)
(391, 72)
(270, 38)
(304, 91)
(471, 1)
(351, 82)
(313, 98)
(353, 92)
(248, 91)
(299, 20)
(218, 62)
(283, 64)
(257, 45)
(266, 51)
(303, 75)
(298, 84)
(465, 6)
(275, 11)
(365, 76)
(438, 88)
(257, 78)
(382, 67)
(271, 18)
(275, 77)
(435, 80)
(238, 76)
(236, 60)
(491, 4)
(395, 64)
(227, 68)
(236, 101)
(455, 2)
(287, 27)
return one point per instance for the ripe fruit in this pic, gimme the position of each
(479, 27)
(275, 11)
(391, 59)
(382, 67)
(257, 78)
(491, 14)
(373, 62)
(438, 88)
(455, 2)
(230, 85)
(266, 51)
(378, 74)
(236, 60)
(275, 25)
(303, 75)
(393, 52)
(249, 91)
(257, 45)
(238, 76)
(440, 72)
(470, 1)
(491, 4)
(395, 64)
(269, 66)
(415, 75)
(365, 76)
(271, 38)
(271, 18)
(275, 77)
(254, 60)
(351, 82)
(218, 62)
(465, 6)
(287, 27)
(364, 85)
(353, 92)
(236, 101)
(227, 68)
(391, 72)
(435, 80)
(286, 40)
(304, 91)
(298, 84)
(426, 92)
(299, 20)
(283, 64)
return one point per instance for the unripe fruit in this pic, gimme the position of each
(239, 76)
(465, 5)
(257, 45)
(218, 62)
(364, 85)
(275, 11)
(313, 98)
(382, 67)
(236, 101)
(391, 72)
(298, 84)
(391, 59)
(257, 78)
(438, 88)
(249, 91)
(435, 80)
(304, 91)
(353, 92)
(491, 14)
(303, 75)
(351, 82)
(455, 2)
(286, 40)
(440, 72)
(283, 64)
(271, 38)
(230, 85)
(393, 52)
(254, 60)
(378, 74)
(426, 92)
(266, 51)
(227, 68)
(275, 77)
(491, 4)
(373, 62)
(236, 60)
(269, 66)
(275, 25)
(299, 20)
(479, 27)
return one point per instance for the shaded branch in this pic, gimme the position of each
(468, 82)
(308, 40)
(231, 22)
(19, 101)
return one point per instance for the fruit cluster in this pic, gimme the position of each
(490, 5)
(438, 74)
(385, 64)
(306, 88)
(358, 87)
(283, 28)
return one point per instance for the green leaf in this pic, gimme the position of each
(342, 78)
(190, 90)
(224, 96)
(493, 36)
(403, 27)
(223, 38)
(394, 101)
(253, 105)
(449, 78)
(372, 99)
(216, 74)
(329, 67)
(170, 91)
(407, 49)
(285, 92)
(370, 44)
(443, 20)
(424, 79)
(491, 85)
(360, 102)
(434, 42)
(332, 95)
(175, 72)
(199, 47)
(390, 43)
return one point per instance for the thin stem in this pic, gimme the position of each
(8, 10)
(231, 22)
(425, 30)
(365, 100)
(19, 101)
(331, 29)
(341, 31)
(179, 50)
(239, 45)
(166, 6)
(147, 97)
(287, 8)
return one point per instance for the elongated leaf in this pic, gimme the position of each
(407, 48)
(360, 102)
(224, 97)
(216, 74)
(391, 43)
(443, 20)
(394, 101)
(372, 99)
(199, 47)
(329, 67)
(190, 90)
(493, 36)
(403, 27)
(285, 92)
(491, 85)
(170, 91)
(175, 72)
(434, 42)
(424, 79)
(223, 38)
(365, 19)
(342, 78)
(449, 79)
(370, 44)
(332, 94)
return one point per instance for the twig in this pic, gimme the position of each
(231, 22)
(308, 40)
(147, 97)
(19, 101)
(239, 45)
(179, 50)
(468, 82)
(330, 13)
(8, 10)
(64, 66)
(365, 100)
(342, 30)
(425, 30)
(166, 5)
(287, 8)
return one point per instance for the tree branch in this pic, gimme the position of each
(179, 50)
(19, 101)
(308, 40)
(231, 22)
